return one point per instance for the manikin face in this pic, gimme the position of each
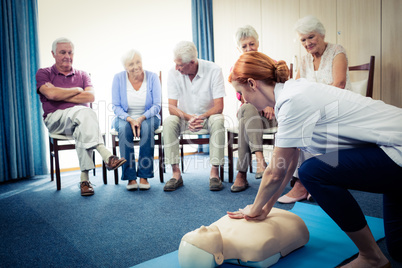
(208, 239)
(248, 44)
(312, 42)
(184, 68)
(64, 57)
(134, 66)
(253, 96)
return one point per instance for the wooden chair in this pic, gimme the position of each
(59, 143)
(158, 141)
(364, 87)
(268, 138)
(187, 137)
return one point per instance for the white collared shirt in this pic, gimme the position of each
(197, 96)
(320, 118)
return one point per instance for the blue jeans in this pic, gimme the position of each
(146, 153)
(328, 177)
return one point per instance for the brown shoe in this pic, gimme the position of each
(115, 162)
(173, 184)
(86, 188)
(215, 184)
(235, 188)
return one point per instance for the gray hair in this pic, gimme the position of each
(308, 25)
(186, 51)
(59, 41)
(245, 32)
(129, 55)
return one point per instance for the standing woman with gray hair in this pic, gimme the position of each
(136, 97)
(324, 63)
(251, 121)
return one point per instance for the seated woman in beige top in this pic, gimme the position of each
(324, 63)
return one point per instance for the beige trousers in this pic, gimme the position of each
(82, 124)
(173, 126)
(251, 125)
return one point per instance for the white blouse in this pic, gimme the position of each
(136, 99)
(324, 72)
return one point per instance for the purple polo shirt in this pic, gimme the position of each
(75, 78)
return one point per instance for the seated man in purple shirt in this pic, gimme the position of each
(64, 93)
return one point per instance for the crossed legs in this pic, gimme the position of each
(251, 126)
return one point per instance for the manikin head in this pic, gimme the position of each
(201, 248)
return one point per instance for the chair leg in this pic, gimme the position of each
(222, 175)
(251, 163)
(51, 159)
(160, 170)
(116, 176)
(104, 172)
(161, 166)
(116, 172)
(163, 162)
(56, 157)
(182, 158)
(230, 155)
(93, 159)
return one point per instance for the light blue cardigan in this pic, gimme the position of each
(119, 95)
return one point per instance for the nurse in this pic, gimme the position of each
(357, 143)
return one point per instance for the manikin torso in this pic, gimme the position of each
(252, 243)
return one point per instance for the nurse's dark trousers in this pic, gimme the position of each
(328, 177)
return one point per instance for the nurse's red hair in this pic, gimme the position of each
(259, 66)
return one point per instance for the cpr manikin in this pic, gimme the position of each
(248, 243)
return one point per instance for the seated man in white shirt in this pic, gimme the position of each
(195, 92)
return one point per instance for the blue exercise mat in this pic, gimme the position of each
(328, 245)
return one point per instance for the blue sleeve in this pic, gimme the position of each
(117, 98)
(154, 92)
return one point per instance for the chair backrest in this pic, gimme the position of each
(291, 71)
(370, 80)
(160, 111)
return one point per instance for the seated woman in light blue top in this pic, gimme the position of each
(136, 97)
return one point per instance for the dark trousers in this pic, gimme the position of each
(328, 177)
